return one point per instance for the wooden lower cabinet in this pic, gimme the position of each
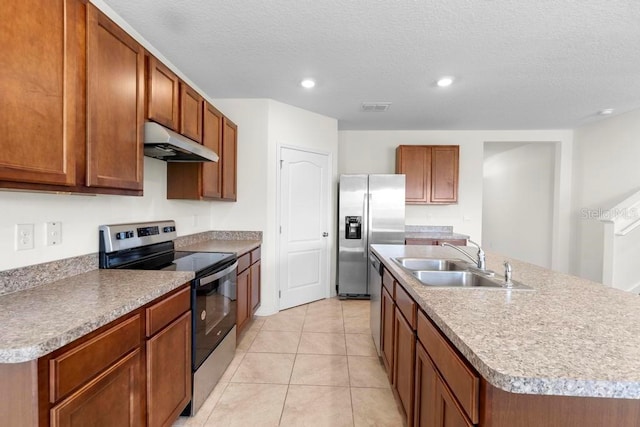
(169, 372)
(386, 331)
(111, 399)
(403, 363)
(243, 312)
(425, 389)
(448, 412)
(255, 286)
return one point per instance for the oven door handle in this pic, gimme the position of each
(208, 279)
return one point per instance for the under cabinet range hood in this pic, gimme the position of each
(164, 144)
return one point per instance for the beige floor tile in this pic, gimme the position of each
(301, 309)
(317, 406)
(233, 366)
(357, 324)
(323, 324)
(246, 339)
(207, 407)
(325, 309)
(367, 372)
(256, 324)
(356, 308)
(374, 407)
(275, 342)
(322, 343)
(311, 369)
(271, 368)
(360, 345)
(284, 321)
(249, 405)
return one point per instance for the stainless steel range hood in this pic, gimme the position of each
(164, 144)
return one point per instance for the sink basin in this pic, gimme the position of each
(432, 264)
(461, 279)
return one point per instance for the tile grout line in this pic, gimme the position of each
(353, 415)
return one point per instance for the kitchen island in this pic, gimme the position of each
(569, 345)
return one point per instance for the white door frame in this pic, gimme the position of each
(330, 224)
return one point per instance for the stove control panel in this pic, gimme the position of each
(126, 236)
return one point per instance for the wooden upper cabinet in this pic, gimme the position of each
(42, 87)
(444, 174)
(229, 160)
(163, 91)
(431, 173)
(191, 110)
(115, 105)
(212, 138)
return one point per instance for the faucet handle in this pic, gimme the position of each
(507, 274)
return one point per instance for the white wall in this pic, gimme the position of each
(606, 171)
(518, 196)
(81, 216)
(374, 152)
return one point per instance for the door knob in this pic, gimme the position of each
(325, 234)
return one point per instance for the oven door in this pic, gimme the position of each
(214, 311)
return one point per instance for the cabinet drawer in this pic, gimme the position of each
(387, 281)
(78, 365)
(255, 255)
(161, 314)
(407, 306)
(461, 378)
(244, 262)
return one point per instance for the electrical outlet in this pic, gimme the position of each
(24, 237)
(54, 233)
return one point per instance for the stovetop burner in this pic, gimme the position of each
(197, 261)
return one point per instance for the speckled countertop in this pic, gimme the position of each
(432, 232)
(37, 321)
(237, 246)
(569, 336)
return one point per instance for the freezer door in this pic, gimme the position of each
(386, 209)
(352, 246)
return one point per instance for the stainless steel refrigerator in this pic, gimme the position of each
(370, 211)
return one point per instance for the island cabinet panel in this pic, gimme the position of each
(387, 318)
(403, 364)
(431, 173)
(448, 412)
(169, 372)
(42, 85)
(111, 399)
(163, 91)
(426, 377)
(191, 110)
(229, 160)
(115, 105)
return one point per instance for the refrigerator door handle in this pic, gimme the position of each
(365, 223)
(369, 223)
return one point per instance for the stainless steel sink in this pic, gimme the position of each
(432, 264)
(462, 279)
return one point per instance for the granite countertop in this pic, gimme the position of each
(239, 247)
(432, 232)
(40, 320)
(569, 336)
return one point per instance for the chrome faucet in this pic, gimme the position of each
(480, 262)
(507, 274)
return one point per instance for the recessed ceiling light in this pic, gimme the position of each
(444, 81)
(606, 111)
(308, 83)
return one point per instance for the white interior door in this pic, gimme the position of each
(304, 213)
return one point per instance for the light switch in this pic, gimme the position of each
(54, 233)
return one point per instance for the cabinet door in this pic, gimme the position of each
(386, 331)
(191, 109)
(444, 174)
(425, 390)
(212, 138)
(115, 105)
(229, 160)
(111, 399)
(448, 412)
(169, 372)
(162, 94)
(403, 363)
(255, 286)
(41, 82)
(243, 295)
(414, 162)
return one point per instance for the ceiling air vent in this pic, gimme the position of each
(375, 107)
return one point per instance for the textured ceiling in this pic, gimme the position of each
(518, 64)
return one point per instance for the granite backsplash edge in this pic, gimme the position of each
(31, 276)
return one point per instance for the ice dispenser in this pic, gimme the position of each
(353, 227)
